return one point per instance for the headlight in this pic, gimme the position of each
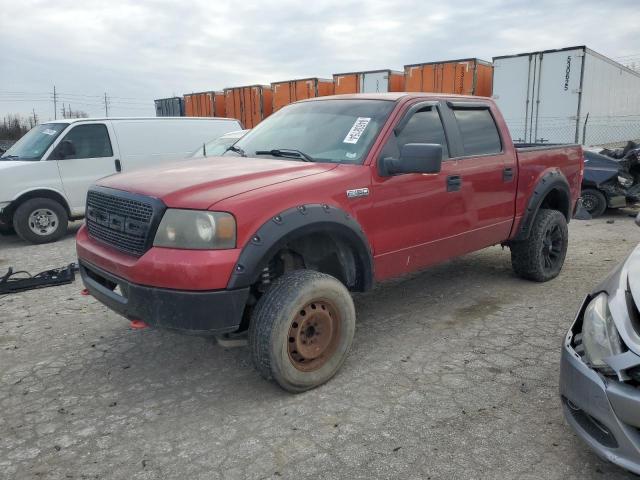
(196, 230)
(599, 335)
(624, 181)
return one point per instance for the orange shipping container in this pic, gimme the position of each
(250, 104)
(372, 81)
(469, 76)
(204, 104)
(291, 91)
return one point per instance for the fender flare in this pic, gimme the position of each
(551, 180)
(294, 223)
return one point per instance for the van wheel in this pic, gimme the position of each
(40, 220)
(541, 256)
(594, 202)
(302, 329)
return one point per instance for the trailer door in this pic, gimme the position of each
(512, 86)
(557, 96)
(374, 82)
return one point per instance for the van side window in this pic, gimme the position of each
(88, 141)
(479, 131)
(425, 126)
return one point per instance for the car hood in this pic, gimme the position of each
(632, 267)
(198, 184)
(622, 281)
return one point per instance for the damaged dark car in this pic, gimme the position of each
(611, 178)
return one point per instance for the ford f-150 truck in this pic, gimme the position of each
(324, 197)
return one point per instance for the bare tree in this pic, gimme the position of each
(13, 126)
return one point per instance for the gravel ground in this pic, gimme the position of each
(453, 375)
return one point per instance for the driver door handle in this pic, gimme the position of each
(454, 182)
(118, 165)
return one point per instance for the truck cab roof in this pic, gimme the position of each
(391, 96)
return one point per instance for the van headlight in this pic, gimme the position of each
(599, 334)
(196, 230)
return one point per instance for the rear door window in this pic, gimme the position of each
(89, 141)
(478, 131)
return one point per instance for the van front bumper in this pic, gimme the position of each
(193, 312)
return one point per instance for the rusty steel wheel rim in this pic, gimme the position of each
(314, 334)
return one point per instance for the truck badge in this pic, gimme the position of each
(358, 192)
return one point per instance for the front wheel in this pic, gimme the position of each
(541, 256)
(594, 202)
(302, 329)
(40, 220)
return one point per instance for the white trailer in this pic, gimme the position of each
(570, 95)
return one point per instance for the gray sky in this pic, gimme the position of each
(140, 50)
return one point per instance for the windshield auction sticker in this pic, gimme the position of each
(48, 131)
(357, 130)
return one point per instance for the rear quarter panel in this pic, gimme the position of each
(534, 163)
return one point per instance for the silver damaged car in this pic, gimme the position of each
(600, 367)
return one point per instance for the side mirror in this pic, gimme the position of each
(414, 158)
(65, 150)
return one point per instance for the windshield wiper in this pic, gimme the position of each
(287, 152)
(8, 157)
(238, 150)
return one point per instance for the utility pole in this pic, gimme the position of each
(55, 104)
(106, 105)
(35, 118)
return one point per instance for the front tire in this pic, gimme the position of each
(594, 202)
(302, 329)
(541, 256)
(40, 220)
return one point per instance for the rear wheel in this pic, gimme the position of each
(594, 202)
(541, 256)
(40, 220)
(302, 329)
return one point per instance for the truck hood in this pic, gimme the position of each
(198, 184)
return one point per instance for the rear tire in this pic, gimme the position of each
(302, 329)
(594, 202)
(40, 220)
(541, 256)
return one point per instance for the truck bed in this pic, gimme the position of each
(536, 158)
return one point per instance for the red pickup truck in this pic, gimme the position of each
(324, 197)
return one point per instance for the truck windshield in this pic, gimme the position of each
(339, 131)
(35, 142)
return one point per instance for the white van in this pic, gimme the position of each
(45, 176)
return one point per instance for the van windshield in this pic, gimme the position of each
(35, 142)
(338, 131)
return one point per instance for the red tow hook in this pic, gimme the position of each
(85, 292)
(138, 324)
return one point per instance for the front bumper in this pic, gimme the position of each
(604, 412)
(193, 312)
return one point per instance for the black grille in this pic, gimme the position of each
(121, 221)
